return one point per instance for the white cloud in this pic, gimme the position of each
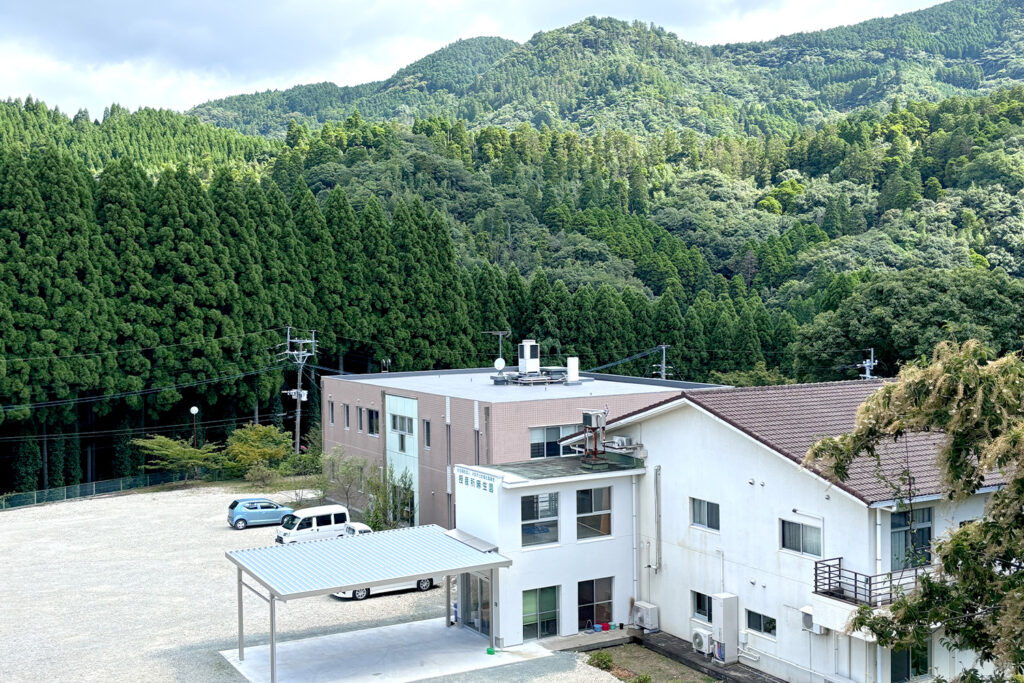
(792, 16)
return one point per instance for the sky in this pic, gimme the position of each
(179, 53)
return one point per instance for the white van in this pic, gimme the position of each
(324, 521)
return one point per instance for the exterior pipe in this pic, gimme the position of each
(636, 543)
(657, 519)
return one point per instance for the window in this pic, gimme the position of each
(540, 613)
(330, 410)
(704, 514)
(593, 512)
(701, 606)
(402, 426)
(801, 538)
(323, 520)
(340, 518)
(908, 664)
(344, 409)
(426, 433)
(594, 599)
(540, 519)
(761, 623)
(372, 422)
(911, 538)
(359, 419)
(544, 440)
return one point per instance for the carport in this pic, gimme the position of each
(307, 569)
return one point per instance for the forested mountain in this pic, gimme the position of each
(605, 74)
(425, 87)
(131, 294)
(151, 137)
(150, 262)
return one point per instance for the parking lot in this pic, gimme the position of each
(136, 587)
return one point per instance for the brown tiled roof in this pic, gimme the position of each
(790, 418)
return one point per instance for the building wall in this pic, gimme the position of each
(511, 422)
(497, 518)
(702, 457)
(406, 460)
(481, 432)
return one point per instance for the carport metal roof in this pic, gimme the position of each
(310, 568)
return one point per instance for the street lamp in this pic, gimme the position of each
(195, 439)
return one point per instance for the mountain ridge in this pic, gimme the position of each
(604, 73)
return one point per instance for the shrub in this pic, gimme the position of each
(261, 475)
(302, 463)
(642, 678)
(600, 660)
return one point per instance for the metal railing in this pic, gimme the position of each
(830, 579)
(92, 488)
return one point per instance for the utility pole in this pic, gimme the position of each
(868, 365)
(664, 348)
(500, 334)
(299, 351)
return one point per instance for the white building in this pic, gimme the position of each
(570, 535)
(783, 554)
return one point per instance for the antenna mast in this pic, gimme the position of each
(299, 351)
(500, 334)
(868, 365)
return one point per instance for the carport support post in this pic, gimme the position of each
(241, 636)
(447, 600)
(494, 602)
(273, 639)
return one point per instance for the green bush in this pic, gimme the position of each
(600, 660)
(261, 475)
(302, 463)
(642, 678)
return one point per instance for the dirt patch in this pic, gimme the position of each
(632, 660)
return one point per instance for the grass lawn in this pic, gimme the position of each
(632, 660)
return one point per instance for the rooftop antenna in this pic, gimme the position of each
(501, 334)
(868, 365)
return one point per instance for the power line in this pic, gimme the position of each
(157, 428)
(137, 350)
(140, 392)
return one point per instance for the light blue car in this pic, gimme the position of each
(245, 512)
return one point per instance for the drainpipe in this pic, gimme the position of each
(657, 518)
(636, 542)
(878, 541)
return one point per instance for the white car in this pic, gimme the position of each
(358, 529)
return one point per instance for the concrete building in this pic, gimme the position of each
(569, 533)
(424, 422)
(749, 554)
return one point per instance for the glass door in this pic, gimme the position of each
(476, 596)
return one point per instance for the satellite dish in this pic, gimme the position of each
(499, 364)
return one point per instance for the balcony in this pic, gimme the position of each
(831, 580)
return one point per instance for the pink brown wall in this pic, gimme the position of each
(504, 431)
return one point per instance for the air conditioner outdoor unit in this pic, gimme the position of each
(621, 441)
(807, 613)
(593, 418)
(701, 640)
(645, 615)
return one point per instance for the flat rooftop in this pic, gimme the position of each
(476, 385)
(545, 468)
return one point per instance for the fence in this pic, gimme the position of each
(92, 488)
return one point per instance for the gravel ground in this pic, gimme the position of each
(136, 588)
